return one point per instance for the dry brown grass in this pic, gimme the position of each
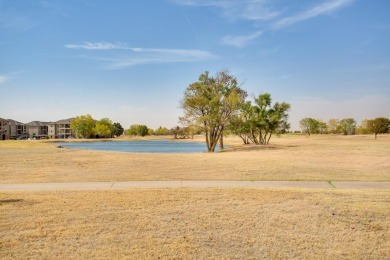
(358, 158)
(196, 223)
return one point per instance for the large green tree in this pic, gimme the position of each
(363, 129)
(103, 128)
(347, 126)
(117, 129)
(309, 125)
(258, 122)
(242, 123)
(211, 102)
(322, 127)
(83, 126)
(161, 131)
(379, 125)
(333, 126)
(137, 130)
(267, 118)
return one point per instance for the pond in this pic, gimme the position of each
(154, 146)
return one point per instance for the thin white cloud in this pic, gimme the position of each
(240, 40)
(97, 46)
(183, 53)
(321, 9)
(219, 3)
(121, 46)
(131, 56)
(236, 9)
(159, 56)
(263, 10)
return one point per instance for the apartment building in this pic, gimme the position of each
(53, 130)
(61, 129)
(11, 129)
(37, 129)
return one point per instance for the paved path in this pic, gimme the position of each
(192, 184)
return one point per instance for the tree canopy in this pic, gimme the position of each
(267, 118)
(162, 131)
(83, 126)
(210, 102)
(216, 104)
(117, 129)
(103, 128)
(347, 126)
(379, 125)
(137, 130)
(309, 125)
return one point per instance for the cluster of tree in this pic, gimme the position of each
(143, 130)
(312, 126)
(216, 104)
(162, 131)
(379, 125)
(346, 126)
(255, 123)
(185, 132)
(85, 126)
(137, 130)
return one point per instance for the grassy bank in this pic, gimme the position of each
(357, 158)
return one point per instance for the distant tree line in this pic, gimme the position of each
(84, 126)
(346, 126)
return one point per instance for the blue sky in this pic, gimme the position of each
(131, 60)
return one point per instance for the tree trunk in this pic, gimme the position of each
(221, 141)
(253, 137)
(263, 137)
(214, 138)
(261, 141)
(269, 138)
(207, 136)
(244, 138)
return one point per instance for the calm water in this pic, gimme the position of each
(159, 146)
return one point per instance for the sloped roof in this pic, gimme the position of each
(37, 123)
(64, 121)
(14, 122)
(11, 121)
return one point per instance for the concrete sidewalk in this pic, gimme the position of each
(192, 184)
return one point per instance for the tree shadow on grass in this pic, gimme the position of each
(10, 201)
